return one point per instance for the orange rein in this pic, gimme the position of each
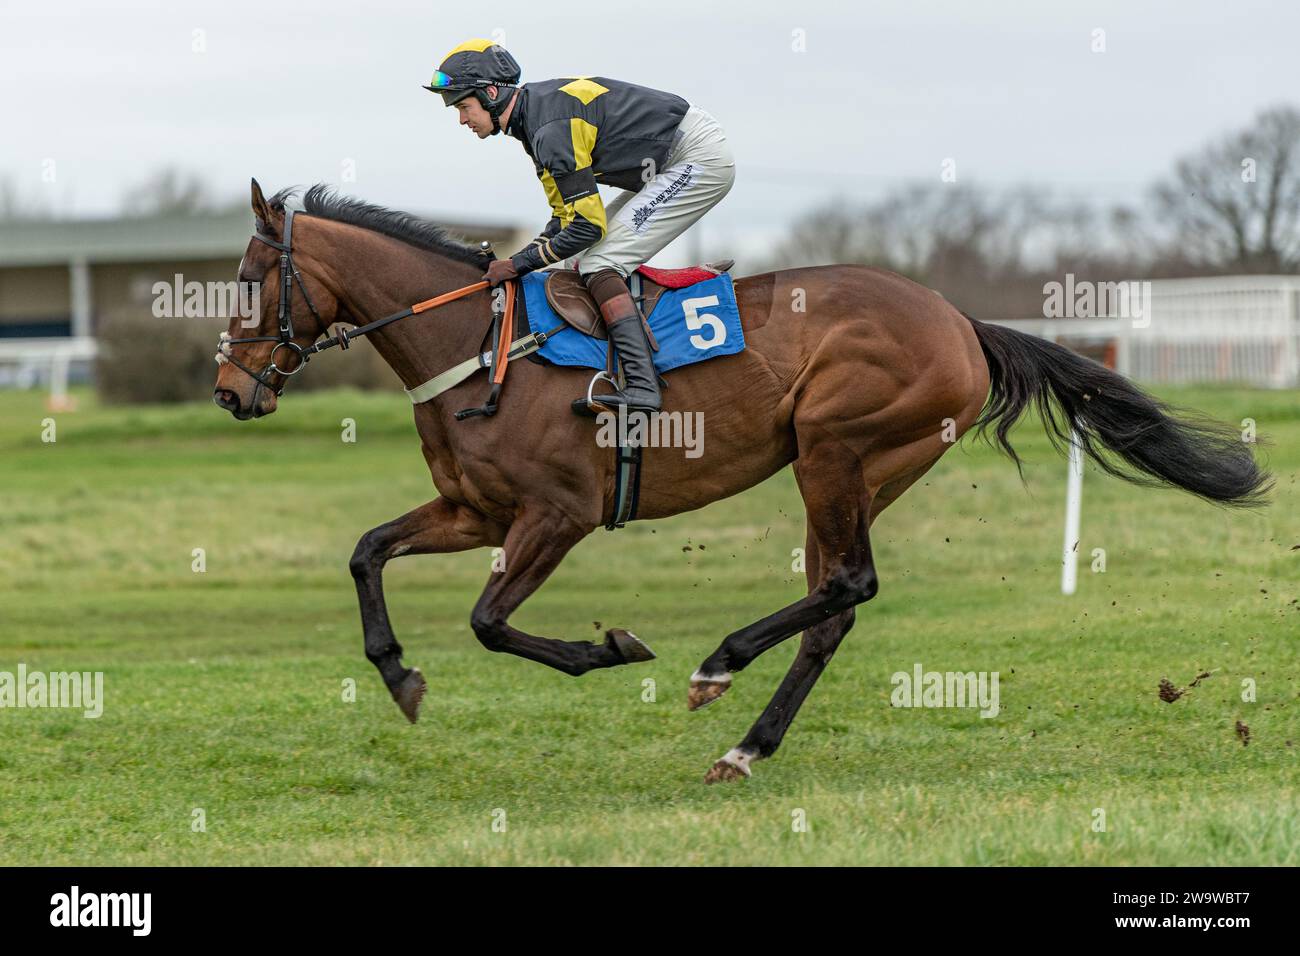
(507, 326)
(446, 297)
(507, 335)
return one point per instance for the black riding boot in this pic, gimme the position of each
(623, 321)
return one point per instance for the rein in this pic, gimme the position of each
(284, 337)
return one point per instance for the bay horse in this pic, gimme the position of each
(857, 377)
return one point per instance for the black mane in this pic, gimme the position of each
(324, 201)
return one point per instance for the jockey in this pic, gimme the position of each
(672, 159)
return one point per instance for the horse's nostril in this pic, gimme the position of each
(225, 398)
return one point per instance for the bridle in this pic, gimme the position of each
(284, 334)
(283, 338)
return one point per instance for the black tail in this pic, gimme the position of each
(1154, 443)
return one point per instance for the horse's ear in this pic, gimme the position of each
(261, 209)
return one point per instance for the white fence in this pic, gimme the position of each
(1223, 329)
(26, 363)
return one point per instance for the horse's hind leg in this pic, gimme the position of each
(838, 505)
(820, 641)
(538, 540)
(815, 650)
(436, 527)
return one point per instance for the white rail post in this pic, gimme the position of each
(1073, 503)
(59, 400)
(81, 297)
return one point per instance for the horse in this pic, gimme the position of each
(858, 378)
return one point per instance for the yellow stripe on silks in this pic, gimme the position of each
(584, 141)
(583, 89)
(591, 209)
(553, 196)
(477, 45)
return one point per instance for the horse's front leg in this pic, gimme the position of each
(437, 527)
(539, 539)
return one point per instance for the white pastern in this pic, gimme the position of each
(723, 678)
(740, 759)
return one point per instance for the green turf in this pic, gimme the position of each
(224, 689)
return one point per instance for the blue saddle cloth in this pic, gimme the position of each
(692, 324)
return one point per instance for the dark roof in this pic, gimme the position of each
(58, 241)
(43, 242)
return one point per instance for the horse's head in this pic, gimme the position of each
(258, 353)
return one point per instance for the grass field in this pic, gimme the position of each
(224, 689)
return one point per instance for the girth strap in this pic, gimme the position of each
(627, 485)
(458, 373)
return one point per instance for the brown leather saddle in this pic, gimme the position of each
(567, 294)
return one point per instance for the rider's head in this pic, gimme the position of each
(472, 114)
(478, 78)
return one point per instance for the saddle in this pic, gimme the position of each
(567, 294)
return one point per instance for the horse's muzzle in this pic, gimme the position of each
(229, 400)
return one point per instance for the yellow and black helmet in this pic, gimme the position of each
(472, 67)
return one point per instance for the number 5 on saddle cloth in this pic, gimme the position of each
(692, 316)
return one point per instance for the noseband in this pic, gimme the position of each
(284, 338)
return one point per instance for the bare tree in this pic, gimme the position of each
(14, 206)
(170, 192)
(1235, 205)
(989, 251)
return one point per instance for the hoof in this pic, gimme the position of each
(734, 766)
(631, 647)
(410, 692)
(705, 690)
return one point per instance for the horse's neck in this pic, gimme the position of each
(390, 276)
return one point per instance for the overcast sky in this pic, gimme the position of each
(883, 92)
